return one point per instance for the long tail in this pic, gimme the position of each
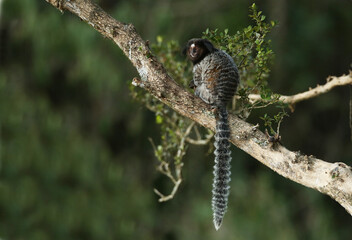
(222, 170)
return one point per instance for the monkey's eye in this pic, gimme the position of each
(193, 51)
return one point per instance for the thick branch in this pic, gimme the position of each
(333, 179)
(331, 83)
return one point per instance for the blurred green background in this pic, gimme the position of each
(75, 160)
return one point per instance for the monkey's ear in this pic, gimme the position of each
(184, 50)
(208, 45)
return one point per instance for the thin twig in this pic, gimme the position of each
(331, 83)
(203, 141)
(165, 169)
(164, 198)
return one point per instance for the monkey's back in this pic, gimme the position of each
(218, 77)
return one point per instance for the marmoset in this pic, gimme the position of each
(215, 81)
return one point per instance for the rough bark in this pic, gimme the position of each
(333, 179)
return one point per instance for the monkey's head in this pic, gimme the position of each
(197, 48)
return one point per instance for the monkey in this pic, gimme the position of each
(215, 81)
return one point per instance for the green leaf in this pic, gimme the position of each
(159, 39)
(159, 119)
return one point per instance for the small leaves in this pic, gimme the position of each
(277, 119)
(250, 49)
(252, 52)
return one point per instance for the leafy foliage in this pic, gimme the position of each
(252, 51)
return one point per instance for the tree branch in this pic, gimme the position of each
(331, 83)
(333, 179)
(351, 111)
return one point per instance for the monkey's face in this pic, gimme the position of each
(195, 52)
(198, 48)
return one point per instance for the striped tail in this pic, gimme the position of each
(222, 170)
